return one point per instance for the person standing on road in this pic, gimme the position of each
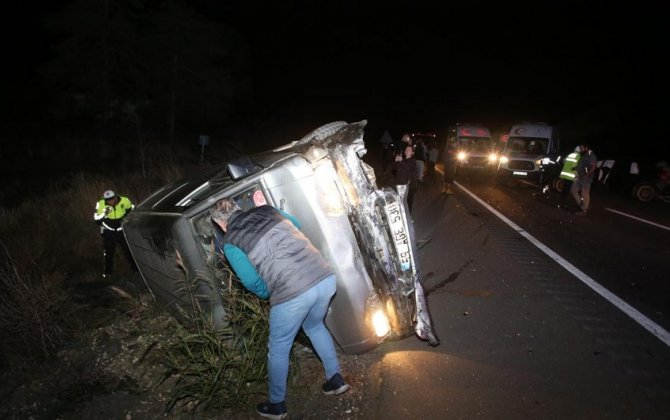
(110, 211)
(581, 186)
(274, 260)
(449, 162)
(405, 173)
(420, 157)
(569, 170)
(433, 154)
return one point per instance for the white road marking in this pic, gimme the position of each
(636, 315)
(637, 218)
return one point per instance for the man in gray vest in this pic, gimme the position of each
(274, 260)
(584, 174)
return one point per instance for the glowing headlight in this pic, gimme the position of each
(461, 156)
(376, 317)
(380, 323)
(504, 159)
(493, 157)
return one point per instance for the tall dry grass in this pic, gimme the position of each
(35, 311)
(50, 242)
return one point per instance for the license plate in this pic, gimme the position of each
(399, 235)
(520, 173)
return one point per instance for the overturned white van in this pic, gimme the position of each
(365, 232)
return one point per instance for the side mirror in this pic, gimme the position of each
(240, 167)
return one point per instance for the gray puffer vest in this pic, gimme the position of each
(283, 256)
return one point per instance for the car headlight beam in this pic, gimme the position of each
(380, 323)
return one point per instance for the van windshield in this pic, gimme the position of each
(527, 145)
(476, 144)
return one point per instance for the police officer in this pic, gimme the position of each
(568, 172)
(109, 213)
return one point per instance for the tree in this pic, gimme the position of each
(162, 58)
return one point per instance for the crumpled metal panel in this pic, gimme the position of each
(382, 226)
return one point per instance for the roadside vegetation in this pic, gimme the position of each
(50, 252)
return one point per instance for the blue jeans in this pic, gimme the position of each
(307, 310)
(582, 186)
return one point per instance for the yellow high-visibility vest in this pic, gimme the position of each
(571, 162)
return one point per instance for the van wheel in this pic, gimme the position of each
(558, 184)
(644, 192)
(322, 132)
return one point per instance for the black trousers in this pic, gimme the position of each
(109, 240)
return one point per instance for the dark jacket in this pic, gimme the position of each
(405, 172)
(284, 259)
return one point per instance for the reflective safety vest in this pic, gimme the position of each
(571, 161)
(110, 217)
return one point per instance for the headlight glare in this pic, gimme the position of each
(380, 323)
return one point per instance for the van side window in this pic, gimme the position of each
(210, 236)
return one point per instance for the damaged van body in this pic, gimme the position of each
(365, 232)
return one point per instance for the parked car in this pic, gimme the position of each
(645, 179)
(365, 232)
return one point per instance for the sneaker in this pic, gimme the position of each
(272, 410)
(335, 385)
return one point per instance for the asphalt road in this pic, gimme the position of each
(521, 336)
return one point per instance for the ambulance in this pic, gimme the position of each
(529, 154)
(475, 147)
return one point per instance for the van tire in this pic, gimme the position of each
(559, 184)
(644, 192)
(322, 132)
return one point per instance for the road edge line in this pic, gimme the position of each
(636, 315)
(637, 218)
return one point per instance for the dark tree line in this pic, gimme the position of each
(125, 67)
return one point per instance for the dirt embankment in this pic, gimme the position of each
(112, 370)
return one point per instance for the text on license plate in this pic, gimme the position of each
(399, 234)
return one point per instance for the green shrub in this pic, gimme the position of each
(219, 368)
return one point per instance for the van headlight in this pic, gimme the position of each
(376, 317)
(493, 158)
(504, 159)
(380, 323)
(461, 156)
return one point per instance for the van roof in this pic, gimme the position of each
(540, 130)
(473, 131)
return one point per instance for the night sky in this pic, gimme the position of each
(592, 70)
